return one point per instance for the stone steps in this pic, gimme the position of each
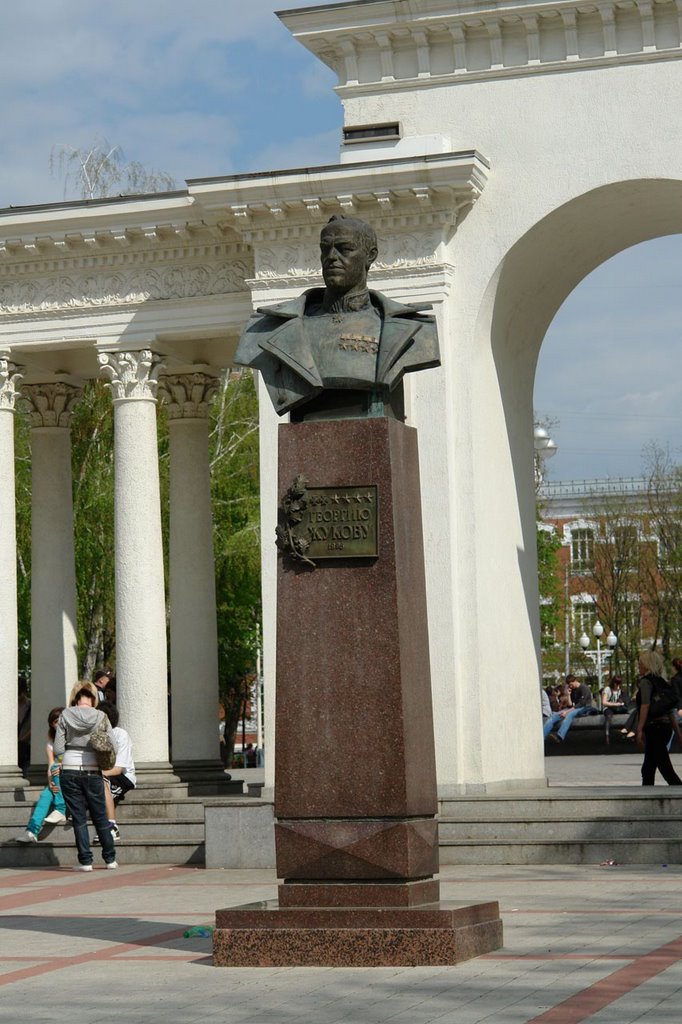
(163, 825)
(566, 802)
(638, 851)
(62, 853)
(191, 808)
(160, 824)
(571, 829)
(563, 826)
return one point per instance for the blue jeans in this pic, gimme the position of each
(555, 717)
(41, 810)
(83, 792)
(569, 719)
(566, 721)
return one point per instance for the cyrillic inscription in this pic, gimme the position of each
(317, 523)
(341, 522)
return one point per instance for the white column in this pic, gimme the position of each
(141, 662)
(9, 662)
(54, 630)
(193, 623)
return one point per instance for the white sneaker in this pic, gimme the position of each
(82, 867)
(112, 866)
(27, 837)
(55, 818)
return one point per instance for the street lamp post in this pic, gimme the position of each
(599, 655)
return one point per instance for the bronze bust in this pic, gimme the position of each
(339, 351)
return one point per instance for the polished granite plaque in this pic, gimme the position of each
(318, 523)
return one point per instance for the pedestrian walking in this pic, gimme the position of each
(657, 719)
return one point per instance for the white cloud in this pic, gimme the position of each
(167, 82)
(606, 368)
(304, 151)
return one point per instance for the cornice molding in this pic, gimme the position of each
(390, 194)
(390, 45)
(29, 257)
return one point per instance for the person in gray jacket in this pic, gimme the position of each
(80, 775)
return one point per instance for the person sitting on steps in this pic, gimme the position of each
(120, 779)
(50, 807)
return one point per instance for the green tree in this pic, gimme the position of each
(236, 504)
(92, 446)
(663, 585)
(549, 584)
(22, 477)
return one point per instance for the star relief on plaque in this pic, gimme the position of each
(320, 523)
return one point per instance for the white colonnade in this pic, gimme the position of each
(9, 379)
(141, 657)
(193, 625)
(141, 661)
(54, 630)
(141, 620)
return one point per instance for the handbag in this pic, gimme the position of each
(102, 743)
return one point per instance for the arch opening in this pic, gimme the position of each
(529, 286)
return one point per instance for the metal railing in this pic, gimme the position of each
(605, 485)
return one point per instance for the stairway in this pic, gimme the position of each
(159, 825)
(564, 826)
(165, 825)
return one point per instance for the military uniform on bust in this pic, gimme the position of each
(341, 351)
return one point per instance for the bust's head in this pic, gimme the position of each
(348, 248)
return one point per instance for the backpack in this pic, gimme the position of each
(101, 742)
(664, 697)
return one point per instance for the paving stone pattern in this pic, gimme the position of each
(582, 943)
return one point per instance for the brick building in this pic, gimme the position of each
(618, 548)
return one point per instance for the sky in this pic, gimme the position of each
(607, 367)
(220, 87)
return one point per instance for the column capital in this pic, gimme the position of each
(188, 395)
(10, 375)
(50, 405)
(133, 375)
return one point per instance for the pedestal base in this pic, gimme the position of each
(265, 935)
(206, 778)
(12, 781)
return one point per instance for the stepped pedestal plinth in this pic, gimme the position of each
(355, 782)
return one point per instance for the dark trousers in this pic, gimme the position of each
(656, 756)
(83, 793)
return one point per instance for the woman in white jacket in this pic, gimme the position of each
(80, 775)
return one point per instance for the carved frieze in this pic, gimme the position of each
(288, 260)
(10, 375)
(299, 261)
(131, 374)
(106, 286)
(50, 405)
(188, 395)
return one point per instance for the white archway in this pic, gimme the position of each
(521, 300)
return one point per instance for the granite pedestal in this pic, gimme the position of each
(355, 781)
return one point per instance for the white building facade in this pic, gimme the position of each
(502, 151)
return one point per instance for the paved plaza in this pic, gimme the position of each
(582, 943)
